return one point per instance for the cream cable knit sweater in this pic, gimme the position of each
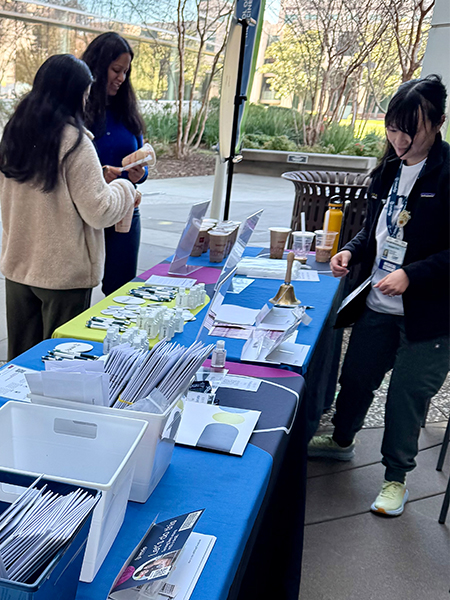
(55, 240)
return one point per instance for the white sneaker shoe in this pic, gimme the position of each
(391, 500)
(325, 447)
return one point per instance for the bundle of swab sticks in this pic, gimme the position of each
(159, 375)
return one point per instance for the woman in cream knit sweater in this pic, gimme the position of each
(54, 203)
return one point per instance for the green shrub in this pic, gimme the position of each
(161, 126)
(340, 137)
(255, 140)
(272, 121)
(211, 132)
(280, 142)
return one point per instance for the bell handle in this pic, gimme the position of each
(290, 262)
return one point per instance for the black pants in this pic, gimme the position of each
(33, 314)
(378, 343)
(122, 250)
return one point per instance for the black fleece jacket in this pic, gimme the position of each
(426, 301)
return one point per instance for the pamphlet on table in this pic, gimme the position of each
(166, 563)
(220, 428)
(13, 382)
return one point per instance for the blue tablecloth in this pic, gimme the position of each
(320, 295)
(236, 493)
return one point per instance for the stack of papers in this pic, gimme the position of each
(77, 380)
(269, 268)
(36, 526)
(271, 340)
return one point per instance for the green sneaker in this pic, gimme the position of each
(323, 446)
(391, 500)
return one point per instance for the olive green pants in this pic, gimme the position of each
(33, 314)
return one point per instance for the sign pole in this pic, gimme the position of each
(238, 100)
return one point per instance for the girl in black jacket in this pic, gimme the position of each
(404, 326)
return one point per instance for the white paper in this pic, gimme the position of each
(236, 382)
(238, 284)
(277, 319)
(13, 383)
(190, 564)
(304, 275)
(289, 354)
(185, 282)
(269, 268)
(64, 384)
(219, 428)
(236, 315)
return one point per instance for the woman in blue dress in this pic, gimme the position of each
(113, 117)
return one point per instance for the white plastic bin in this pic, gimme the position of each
(154, 452)
(79, 448)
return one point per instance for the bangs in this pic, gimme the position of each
(404, 113)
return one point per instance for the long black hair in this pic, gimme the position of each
(100, 53)
(30, 146)
(414, 100)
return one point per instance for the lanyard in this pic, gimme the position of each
(392, 202)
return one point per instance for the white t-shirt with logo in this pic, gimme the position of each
(376, 300)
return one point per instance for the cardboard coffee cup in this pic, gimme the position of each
(278, 237)
(197, 250)
(218, 241)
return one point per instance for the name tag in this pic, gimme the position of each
(393, 254)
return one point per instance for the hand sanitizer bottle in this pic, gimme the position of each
(219, 355)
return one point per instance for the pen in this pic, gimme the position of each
(81, 355)
(56, 354)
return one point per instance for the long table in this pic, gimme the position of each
(254, 503)
(321, 365)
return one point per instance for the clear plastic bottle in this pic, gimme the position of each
(180, 297)
(202, 294)
(107, 342)
(142, 318)
(179, 320)
(164, 328)
(117, 338)
(219, 355)
(187, 299)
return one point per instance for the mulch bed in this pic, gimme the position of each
(197, 163)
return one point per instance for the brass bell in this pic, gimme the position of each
(286, 295)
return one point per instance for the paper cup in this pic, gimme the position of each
(324, 245)
(301, 244)
(124, 225)
(197, 250)
(278, 237)
(218, 241)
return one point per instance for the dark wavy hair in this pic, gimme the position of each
(100, 53)
(30, 146)
(414, 100)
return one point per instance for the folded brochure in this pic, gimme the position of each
(156, 568)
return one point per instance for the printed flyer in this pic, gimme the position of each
(156, 555)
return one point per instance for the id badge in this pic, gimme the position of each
(393, 254)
